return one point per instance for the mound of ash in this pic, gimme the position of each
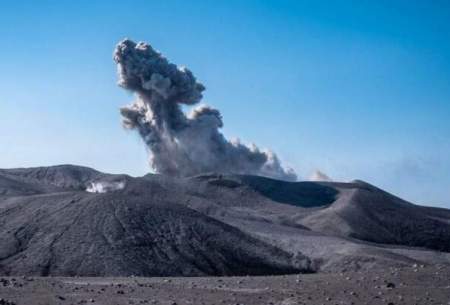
(135, 229)
(70, 220)
(365, 212)
(61, 176)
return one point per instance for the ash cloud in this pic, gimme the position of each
(182, 144)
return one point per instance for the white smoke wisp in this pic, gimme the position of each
(319, 176)
(105, 186)
(182, 144)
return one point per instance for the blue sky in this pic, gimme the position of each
(356, 89)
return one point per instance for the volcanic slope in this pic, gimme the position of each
(207, 225)
(137, 230)
(365, 212)
(357, 210)
(285, 214)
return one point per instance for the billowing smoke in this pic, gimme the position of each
(319, 176)
(105, 186)
(182, 144)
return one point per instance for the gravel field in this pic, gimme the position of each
(409, 285)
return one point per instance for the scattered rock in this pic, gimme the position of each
(390, 285)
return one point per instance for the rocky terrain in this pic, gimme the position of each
(75, 221)
(409, 285)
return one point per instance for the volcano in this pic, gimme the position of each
(53, 221)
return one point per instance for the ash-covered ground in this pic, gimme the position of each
(409, 285)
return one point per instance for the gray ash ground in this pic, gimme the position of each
(411, 285)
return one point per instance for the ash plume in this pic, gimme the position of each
(182, 144)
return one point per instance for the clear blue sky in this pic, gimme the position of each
(357, 89)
